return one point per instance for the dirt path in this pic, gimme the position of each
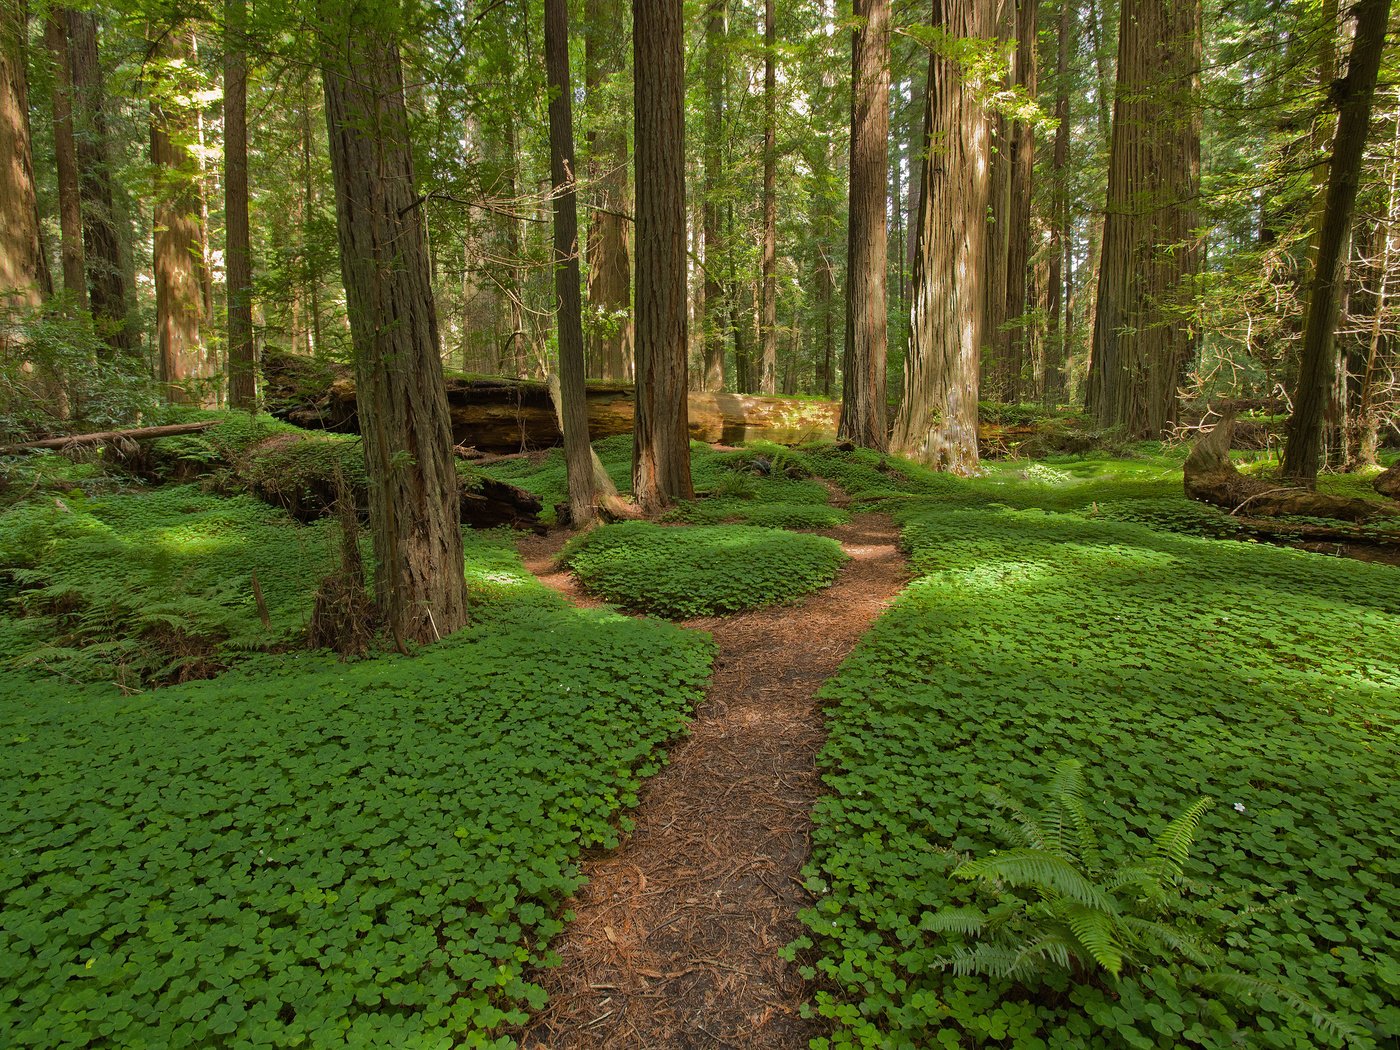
(678, 930)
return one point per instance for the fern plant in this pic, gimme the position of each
(1068, 914)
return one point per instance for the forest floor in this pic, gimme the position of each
(678, 932)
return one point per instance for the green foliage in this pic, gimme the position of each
(322, 854)
(687, 571)
(152, 586)
(1185, 666)
(44, 352)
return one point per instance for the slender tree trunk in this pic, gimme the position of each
(414, 509)
(70, 214)
(1021, 161)
(713, 321)
(311, 279)
(1317, 375)
(573, 410)
(994, 335)
(242, 392)
(1061, 232)
(179, 298)
(743, 359)
(609, 262)
(661, 442)
(863, 391)
(105, 250)
(768, 324)
(937, 419)
(513, 351)
(24, 272)
(1143, 332)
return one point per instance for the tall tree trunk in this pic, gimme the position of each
(1143, 337)
(713, 321)
(242, 392)
(311, 277)
(1061, 233)
(573, 410)
(414, 512)
(24, 272)
(998, 219)
(1021, 161)
(661, 441)
(106, 252)
(867, 319)
(609, 263)
(768, 325)
(1317, 374)
(513, 356)
(179, 298)
(937, 419)
(70, 213)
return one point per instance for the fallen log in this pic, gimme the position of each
(510, 415)
(1387, 482)
(103, 437)
(1210, 477)
(304, 473)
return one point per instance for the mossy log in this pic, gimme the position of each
(507, 415)
(303, 473)
(1387, 482)
(1211, 477)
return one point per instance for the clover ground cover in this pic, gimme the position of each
(1172, 666)
(304, 852)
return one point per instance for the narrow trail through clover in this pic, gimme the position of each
(678, 931)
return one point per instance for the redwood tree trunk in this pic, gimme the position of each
(714, 317)
(661, 444)
(768, 333)
(863, 393)
(242, 393)
(179, 296)
(24, 274)
(1061, 235)
(572, 407)
(1317, 373)
(1021, 160)
(70, 215)
(414, 514)
(609, 263)
(937, 419)
(106, 252)
(1143, 336)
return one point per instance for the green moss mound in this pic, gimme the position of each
(311, 853)
(1173, 667)
(687, 571)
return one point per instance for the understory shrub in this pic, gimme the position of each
(1181, 667)
(313, 853)
(701, 570)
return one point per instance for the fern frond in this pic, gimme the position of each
(1159, 935)
(1031, 835)
(1094, 930)
(1174, 842)
(1243, 986)
(1044, 871)
(1147, 874)
(954, 920)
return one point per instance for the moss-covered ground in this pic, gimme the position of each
(305, 852)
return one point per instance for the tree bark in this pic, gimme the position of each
(1021, 161)
(179, 299)
(24, 273)
(573, 412)
(70, 215)
(414, 514)
(768, 327)
(863, 391)
(661, 447)
(937, 419)
(1061, 232)
(242, 391)
(1317, 373)
(106, 251)
(714, 316)
(1143, 331)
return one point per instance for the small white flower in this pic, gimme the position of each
(1239, 807)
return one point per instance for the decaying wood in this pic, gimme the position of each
(507, 415)
(1211, 477)
(104, 437)
(1387, 482)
